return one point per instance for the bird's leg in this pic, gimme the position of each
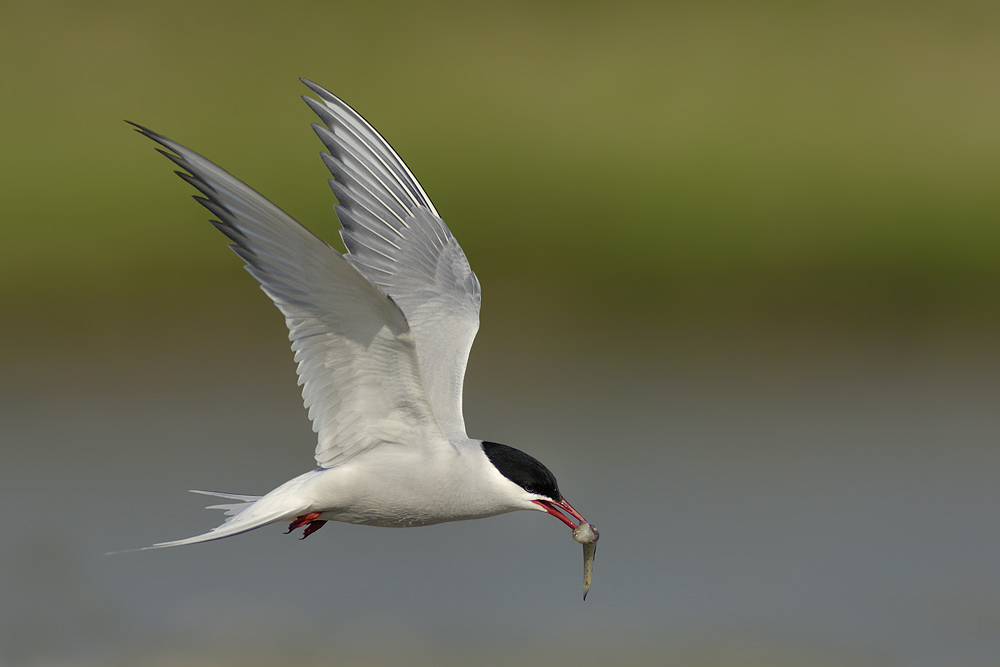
(311, 521)
(312, 528)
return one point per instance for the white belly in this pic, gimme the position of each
(397, 489)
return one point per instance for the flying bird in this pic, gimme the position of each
(381, 336)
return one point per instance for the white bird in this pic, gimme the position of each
(381, 336)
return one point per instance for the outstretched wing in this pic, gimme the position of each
(357, 360)
(396, 239)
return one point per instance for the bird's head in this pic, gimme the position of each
(541, 491)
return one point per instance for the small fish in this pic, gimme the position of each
(587, 535)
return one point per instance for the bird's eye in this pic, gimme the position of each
(530, 488)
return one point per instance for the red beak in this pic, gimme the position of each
(560, 509)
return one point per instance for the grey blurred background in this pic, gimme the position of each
(741, 275)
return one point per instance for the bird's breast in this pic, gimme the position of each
(402, 491)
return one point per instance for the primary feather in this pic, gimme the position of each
(356, 356)
(396, 239)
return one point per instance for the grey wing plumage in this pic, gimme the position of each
(396, 239)
(357, 361)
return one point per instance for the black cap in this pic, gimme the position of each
(525, 471)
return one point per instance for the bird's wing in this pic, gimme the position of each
(396, 239)
(357, 360)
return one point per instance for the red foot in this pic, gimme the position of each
(311, 528)
(311, 521)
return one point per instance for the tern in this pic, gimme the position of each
(381, 336)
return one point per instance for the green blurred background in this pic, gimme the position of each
(741, 277)
(667, 159)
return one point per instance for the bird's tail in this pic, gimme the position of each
(232, 509)
(243, 516)
(249, 513)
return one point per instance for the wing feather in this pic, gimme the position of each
(396, 239)
(355, 351)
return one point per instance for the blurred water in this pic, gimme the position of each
(836, 507)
